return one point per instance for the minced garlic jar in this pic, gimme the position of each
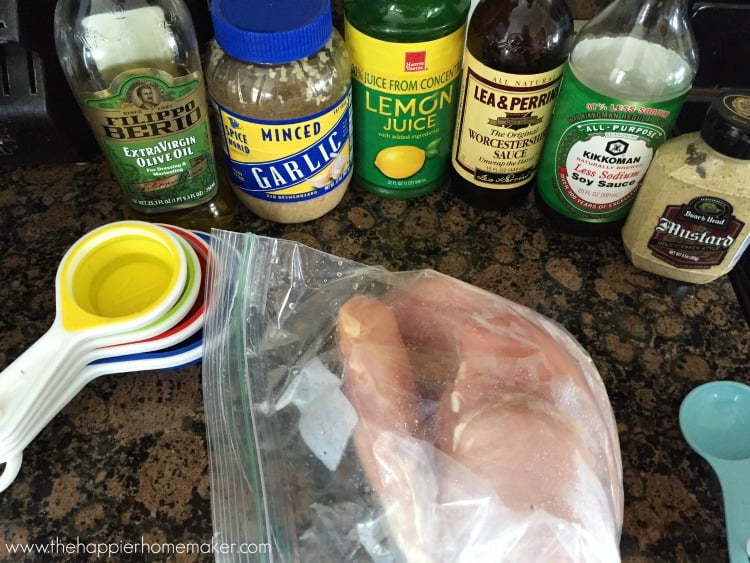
(691, 217)
(278, 74)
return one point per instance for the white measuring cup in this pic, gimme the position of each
(189, 323)
(186, 353)
(180, 323)
(61, 390)
(115, 279)
(178, 339)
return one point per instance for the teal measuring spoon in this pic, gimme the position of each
(715, 421)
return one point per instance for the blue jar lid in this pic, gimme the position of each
(271, 31)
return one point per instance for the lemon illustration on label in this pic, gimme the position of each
(400, 161)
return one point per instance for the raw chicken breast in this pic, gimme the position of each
(378, 383)
(483, 428)
(495, 347)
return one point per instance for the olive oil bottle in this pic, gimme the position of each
(135, 68)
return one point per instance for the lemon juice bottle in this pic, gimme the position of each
(406, 69)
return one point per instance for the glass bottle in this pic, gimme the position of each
(406, 68)
(135, 68)
(631, 67)
(513, 65)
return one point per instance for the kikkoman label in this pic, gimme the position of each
(154, 130)
(289, 160)
(598, 151)
(696, 235)
(502, 124)
(405, 97)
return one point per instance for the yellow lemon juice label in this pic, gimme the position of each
(289, 160)
(404, 103)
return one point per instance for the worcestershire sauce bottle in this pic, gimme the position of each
(513, 64)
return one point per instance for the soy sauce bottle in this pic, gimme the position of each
(513, 64)
(628, 74)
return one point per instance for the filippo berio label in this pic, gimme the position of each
(696, 235)
(501, 124)
(154, 130)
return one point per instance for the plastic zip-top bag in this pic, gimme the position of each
(356, 414)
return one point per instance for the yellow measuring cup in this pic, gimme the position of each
(60, 390)
(115, 279)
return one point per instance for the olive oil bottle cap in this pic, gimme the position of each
(270, 33)
(726, 127)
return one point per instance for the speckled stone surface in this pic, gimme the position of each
(126, 459)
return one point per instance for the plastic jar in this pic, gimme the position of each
(690, 218)
(279, 78)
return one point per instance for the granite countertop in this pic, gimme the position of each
(126, 460)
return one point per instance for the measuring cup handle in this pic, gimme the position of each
(27, 377)
(734, 477)
(47, 408)
(10, 472)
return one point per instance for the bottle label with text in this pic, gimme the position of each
(698, 234)
(405, 97)
(289, 160)
(154, 130)
(502, 123)
(599, 150)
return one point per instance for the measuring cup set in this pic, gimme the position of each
(129, 297)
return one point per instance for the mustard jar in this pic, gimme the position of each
(689, 221)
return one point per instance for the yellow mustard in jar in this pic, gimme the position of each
(689, 221)
(279, 77)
